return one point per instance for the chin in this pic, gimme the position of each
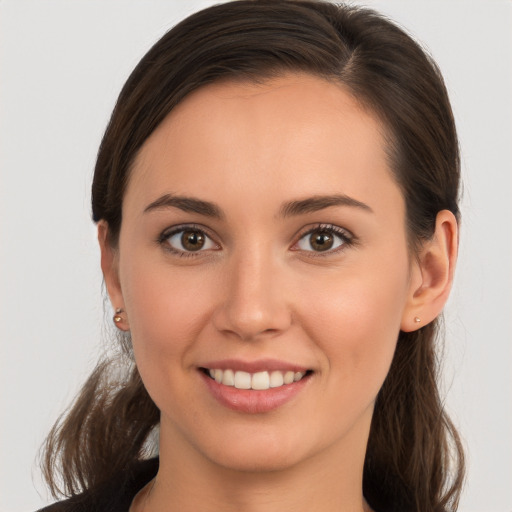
(248, 448)
(257, 460)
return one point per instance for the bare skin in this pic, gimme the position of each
(262, 222)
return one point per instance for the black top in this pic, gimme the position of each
(115, 496)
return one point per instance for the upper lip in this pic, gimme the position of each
(259, 365)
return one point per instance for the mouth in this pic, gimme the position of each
(258, 386)
(258, 381)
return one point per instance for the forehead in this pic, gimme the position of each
(296, 134)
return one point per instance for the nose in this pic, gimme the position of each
(254, 302)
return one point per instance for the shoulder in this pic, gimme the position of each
(115, 495)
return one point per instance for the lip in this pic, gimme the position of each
(259, 365)
(250, 401)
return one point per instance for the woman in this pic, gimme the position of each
(276, 199)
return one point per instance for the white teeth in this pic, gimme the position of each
(228, 379)
(276, 379)
(242, 380)
(258, 381)
(289, 377)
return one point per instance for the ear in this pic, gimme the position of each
(110, 269)
(432, 274)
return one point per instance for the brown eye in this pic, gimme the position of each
(321, 241)
(192, 240)
(188, 240)
(324, 239)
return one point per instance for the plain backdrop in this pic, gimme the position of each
(62, 64)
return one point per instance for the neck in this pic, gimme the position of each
(329, 481)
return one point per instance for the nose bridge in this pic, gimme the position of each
(255, 301)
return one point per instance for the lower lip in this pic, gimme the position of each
(253, 401)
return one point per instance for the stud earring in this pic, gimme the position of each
(117, 316)
(417, 319)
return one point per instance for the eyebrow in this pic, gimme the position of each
(316, 203)
(289, 209)
(187, 204)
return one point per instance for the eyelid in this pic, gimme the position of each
(347, 237)
(169, 232)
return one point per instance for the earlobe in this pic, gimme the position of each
(432, 276)
(109, 267)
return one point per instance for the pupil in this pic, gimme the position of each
(192, 240)
(321, 241)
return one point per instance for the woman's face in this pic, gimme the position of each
(263, 240)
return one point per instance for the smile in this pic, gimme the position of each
(257, 381)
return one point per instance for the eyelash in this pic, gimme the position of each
(345, 238)
(163, 239)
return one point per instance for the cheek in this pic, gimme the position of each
(355, 327)
(167, 309)
(355, 320)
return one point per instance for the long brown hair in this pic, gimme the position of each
(414, 460)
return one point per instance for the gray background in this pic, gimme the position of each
(62, 65)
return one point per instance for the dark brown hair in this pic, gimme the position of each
(414, 460)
